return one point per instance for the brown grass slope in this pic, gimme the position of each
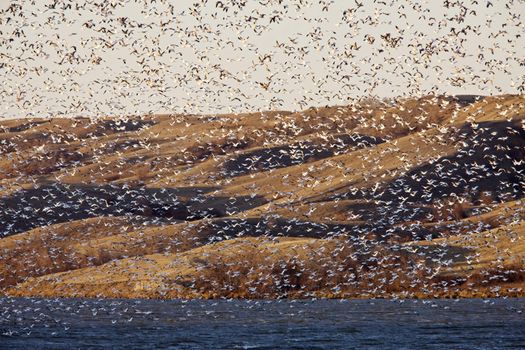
(418, 198)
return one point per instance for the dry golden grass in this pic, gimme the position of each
(312, 227)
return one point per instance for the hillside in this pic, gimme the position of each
(418, 198)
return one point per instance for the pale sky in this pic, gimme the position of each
(145, 57)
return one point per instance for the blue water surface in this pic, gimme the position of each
(281, 324)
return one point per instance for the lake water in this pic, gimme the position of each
(319, 324)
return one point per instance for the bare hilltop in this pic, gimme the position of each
(417, 198)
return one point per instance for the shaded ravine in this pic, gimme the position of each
(58, 202)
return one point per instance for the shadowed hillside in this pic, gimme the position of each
(418, 198)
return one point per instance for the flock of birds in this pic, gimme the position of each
(93, 58)
(373, 191)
